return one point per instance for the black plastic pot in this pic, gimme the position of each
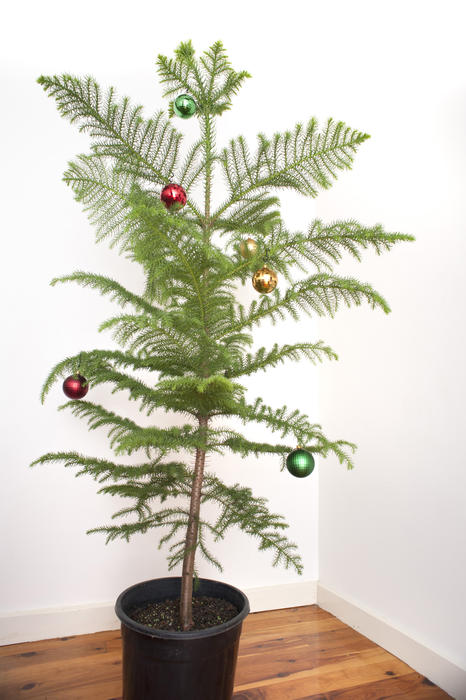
(166, 665)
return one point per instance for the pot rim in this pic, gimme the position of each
(174, 634)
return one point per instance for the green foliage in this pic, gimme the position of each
(104, 192)
(105, 285)
(95, 365)
(324, 245)
(147, 149)
(263, 358)
(211, 81)
(161, 480)
(320, 294)
(301, 160)
(184, 338)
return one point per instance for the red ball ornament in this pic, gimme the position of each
(173, 196)
(75, 386)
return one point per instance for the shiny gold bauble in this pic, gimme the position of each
(248, 248)
(264, 280)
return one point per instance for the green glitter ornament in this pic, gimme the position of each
(184, 106)
(300, 462)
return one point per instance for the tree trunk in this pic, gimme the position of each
(186, 602)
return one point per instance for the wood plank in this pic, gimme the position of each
(299, 656)
(44, 679)
(307, 613)
(413, 686)
(281, 632)
(311, 614)
(346, 638)
(289, 654)
(105, 690)
(63, 649)
(78, 642)
(366, 666)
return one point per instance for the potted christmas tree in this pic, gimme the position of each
(188, 329)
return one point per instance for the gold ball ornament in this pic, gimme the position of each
(248, 248)
(264, 280)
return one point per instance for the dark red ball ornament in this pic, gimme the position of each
(173, 196)
(75, 386)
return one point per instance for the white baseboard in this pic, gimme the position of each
(285, 595)
(33, 625)
(436, 668)
(46, 623)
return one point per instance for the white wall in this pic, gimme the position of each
(391, 532)
(50, 560)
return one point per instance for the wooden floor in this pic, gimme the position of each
(298, 653)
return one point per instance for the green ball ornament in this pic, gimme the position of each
(184, 106)
(300, 463)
